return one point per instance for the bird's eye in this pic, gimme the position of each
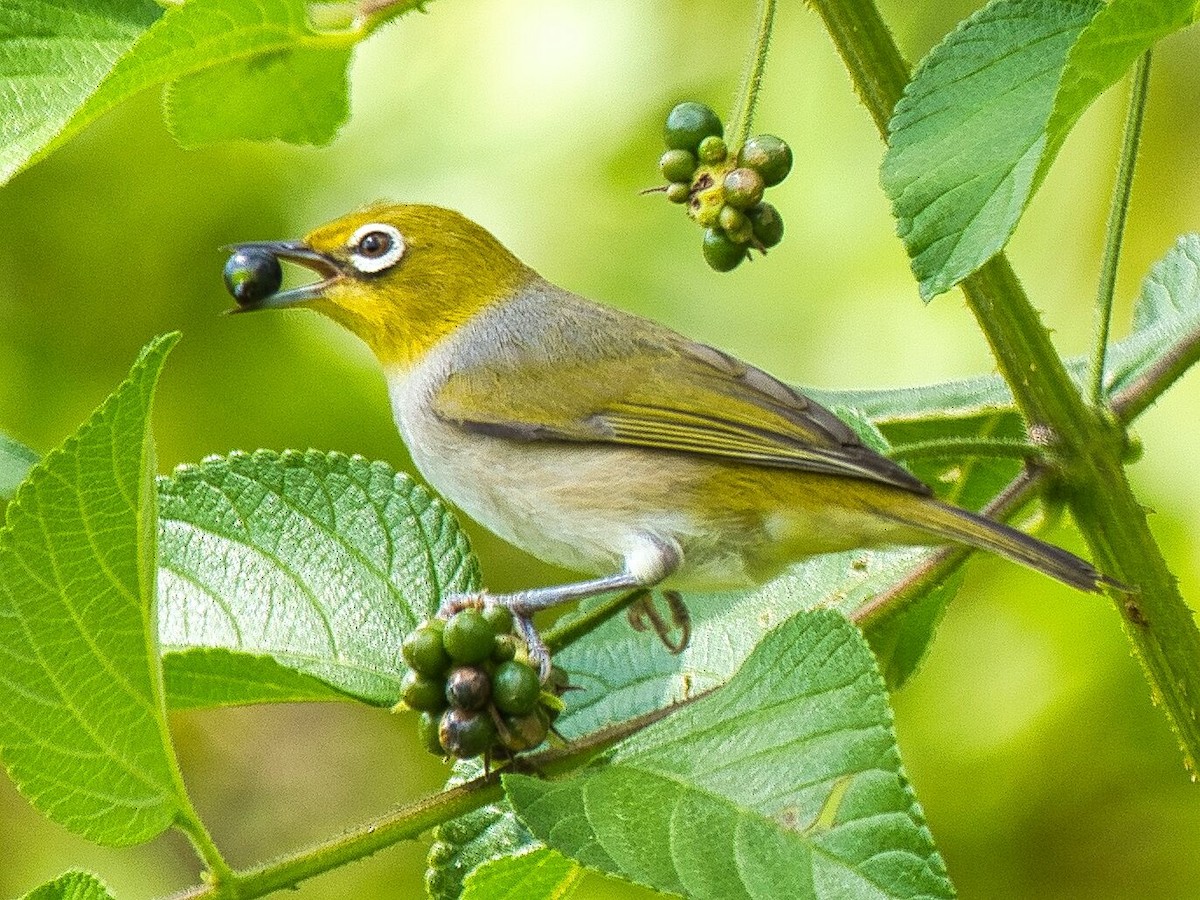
(375, 247)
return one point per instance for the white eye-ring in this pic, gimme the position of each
(375, 247)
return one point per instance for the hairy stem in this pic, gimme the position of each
(1087, 446)
(958, 448)
(1115, 230)
(756, 63)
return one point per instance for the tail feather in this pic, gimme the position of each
(961, 526)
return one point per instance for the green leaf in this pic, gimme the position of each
(987, 111)
(71, 886)
(83, 729)
(321, 562)
(532, 875)
(15, 462)
(206, 678)
(256, 69)
(784, 783)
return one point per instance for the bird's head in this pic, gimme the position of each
(400, 276)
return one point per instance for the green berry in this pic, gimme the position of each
(767, 224)
(422, 692)
(679, 191)
(468, 637)
(720, 252)
(505, 649)
(515, 688)
(422, 649)
(466, 733)
(743, 188)
(499, 618)
(767, 155)
(712, 150)
(524, 732)
(468, 687)
(735, 224)
(427, 730)
(688, 124)
(677, 165)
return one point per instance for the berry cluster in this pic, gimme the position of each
(472, 683)
(723, 188)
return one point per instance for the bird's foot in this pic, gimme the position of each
(643, 615)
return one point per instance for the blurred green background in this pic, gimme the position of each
(1029, 734)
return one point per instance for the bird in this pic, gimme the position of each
(595, 439)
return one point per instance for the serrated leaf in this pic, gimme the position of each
(784, 783)
(536, 875)
(83, 727)
(255, 69)
(15, 462)
(71, 886)
(987, 111)
(322, 562)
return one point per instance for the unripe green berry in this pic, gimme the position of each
(767, 224)
(735, 224)
(468, 637)
(499, 617)
(679, 191)
(422, 692)
(677, 165)
(720, 252)
(505, 649)
(428, 726)
(688, 124)
(423, 650)
(743, 188)
(515, 688)
(466, 733)
(525, 732)
(767, 155)
(712, 150)
(468, 687)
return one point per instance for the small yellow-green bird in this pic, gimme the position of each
(593, 438)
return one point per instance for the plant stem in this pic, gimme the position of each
(563, 636)
(218, 871)
(410, 821)
(1087, 447)
(1115, 230)
(964, 447)
(756, 63)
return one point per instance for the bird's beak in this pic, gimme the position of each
(301, 254)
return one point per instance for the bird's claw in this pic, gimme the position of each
(643, 615)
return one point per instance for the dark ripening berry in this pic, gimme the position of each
(677, 165)
(499, 618)
(468, 687)
(466, 733)
(767, 224)
(743, 188)
(688, 124)
(515, 688)
(423, 651)
(524, 732)
(712, 150)
(252, 275)
(720, 252)
(422, 692)
(735, 224)
(679, 191)
(428, 726)
(767, 155)
(468, 637)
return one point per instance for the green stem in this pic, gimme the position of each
(218, 871)
(756, 63)
(563, 636)
(1115, 230)
(409, 822)
(1086, 445)
(959, 448)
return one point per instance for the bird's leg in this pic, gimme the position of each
(651, 561)
(644, 614)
